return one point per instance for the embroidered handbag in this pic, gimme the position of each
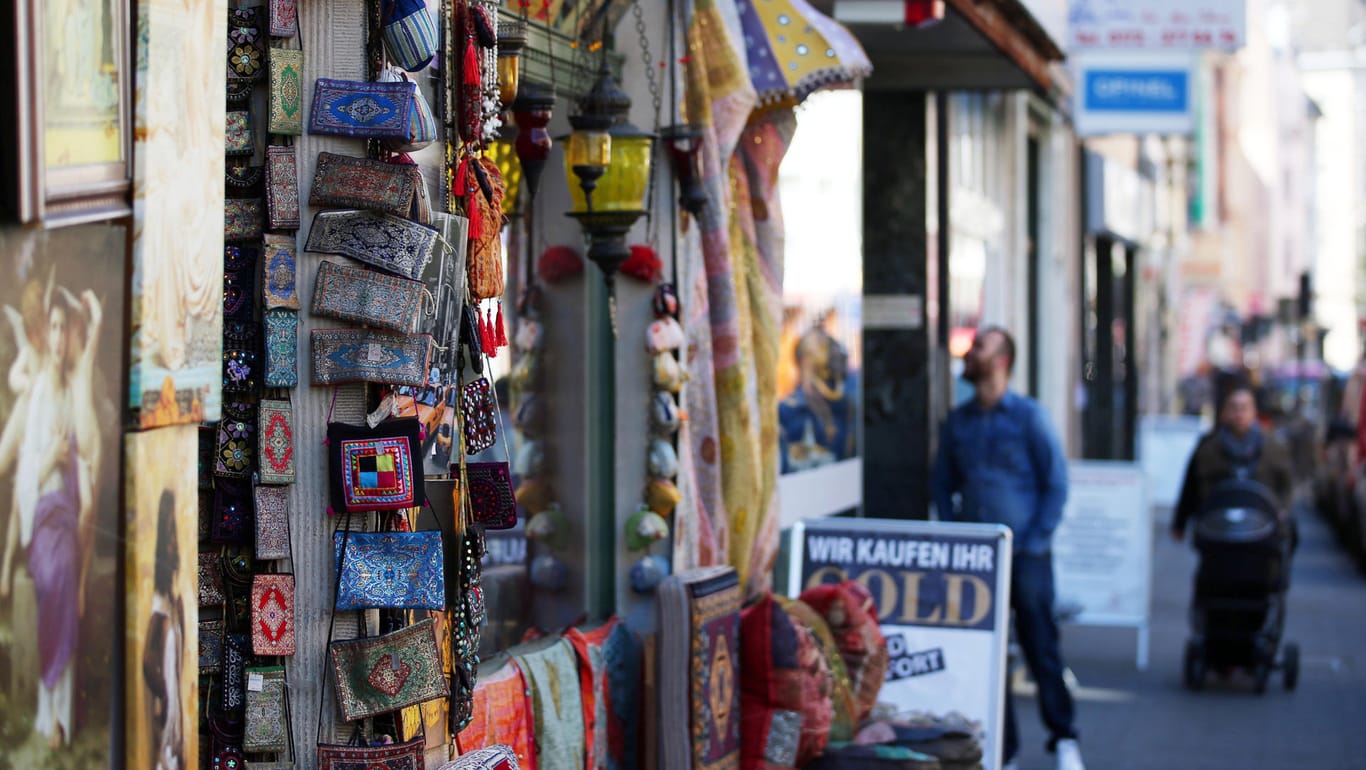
(246, 44)
(272, 614)
(286, 92)
(490, 490)
(484, 263)
(210, 646)
(272, 523)
(244, 219)
(232, 512)
(367, 297)
(421, 123)
(284, 18)
(267, 717)
(386, 673)
(239, 282)
(358, 355)
(390, 243)
(236, 441)
(282, 332)
(372, 469)
(240, 364)
(362, 110)
(236, 650)
(239, 138)
(210, 580)
(390, 570)
(342, 181)
(278, 267)
(481, 415)
(499, 757)
(409, 33)
(398, 756)
(282, 187)
(276, 448)
(244, 181)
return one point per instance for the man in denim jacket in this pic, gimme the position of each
(1000, 456)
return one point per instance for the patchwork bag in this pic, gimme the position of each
(239, 137)
(390, 570)
(282, 187)
(490, 491)
(282, 348)
(409, 33)
(272, 523)
(244, 219)
(362, 110)
(387, 673)
(421, 123)
(480, 410)
(398, 756)
(284, 18)
(278, 273)
(342, 181)
(246, 44)
(267, 716)
(372, 469)
(367, 297)
(391, 243)
(286, 92)
(343, 356)
(272, 614)
(276, 448)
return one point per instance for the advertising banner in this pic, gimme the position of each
(1158, 24)
(943, 600)
(1134, 93)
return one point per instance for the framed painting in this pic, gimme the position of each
(73, 93)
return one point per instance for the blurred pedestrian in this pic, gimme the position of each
(1000, 456)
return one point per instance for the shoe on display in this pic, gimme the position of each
(1069, 755)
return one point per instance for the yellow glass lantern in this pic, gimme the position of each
(624, 185)
(503, 152)
(512, 39)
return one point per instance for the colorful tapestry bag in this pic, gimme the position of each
(391, 243)
(279, 285)
(210, 580)
(286, 91)
(380, 674)
(267, 715)
(236, 651)
(244, 181)
(390, 570)
(241, 364)
(490, 490)
(210, 646)
(421, 123)
(362, 110)
(284, 18)
(276, 448)
(272, 614)
(239, 138)
(236, 440)
(480, 411)
(342, 181)
(372, 469)
(246, 44)
(398, 756)
(367, 297)
(282, 187)
(244, 219)
(409, 33)
(282, 348)
(343, 356)
(272, 523)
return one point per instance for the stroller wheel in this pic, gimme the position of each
(1194, 666)
(1290, 666)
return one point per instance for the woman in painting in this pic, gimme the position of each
(816, 417)
(162, 648)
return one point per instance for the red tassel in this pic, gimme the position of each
(491, 347)
(471, 64)
(472, 212)
(461, 181)
(502, 330)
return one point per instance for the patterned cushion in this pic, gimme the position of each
(845, 724)
(785, 688)
(848, 609)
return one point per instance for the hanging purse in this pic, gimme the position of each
(490, 492)
(387, 673)
(244, 219)
(284, 18)
(398, 756)
(276, 449)
(272, 523)
(367, 297)
(239, 138)
(390, 570)
(244, 181)
(391, 243)
(409, 32)
(480, 411)
(282, 344)
(343, 356)
(267, 715)
(341, 181)
(484, 263)
(421, 122)
(499, 757)
(236, 441)
(236, 651)
(279, 287)
(239, 282)
(272, 614)
(246, 44)
(210, 646)
(232, 512)
(286, 92)
(282, 187)
(210, 579)
(373, 469)
(362, 110)
(241, 367)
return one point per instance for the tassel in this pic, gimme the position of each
(471, 64)
(485, 339)
(491, 347)
(461, 180)
(472, 213)
(502, 330)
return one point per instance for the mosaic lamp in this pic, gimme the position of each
(512, 39)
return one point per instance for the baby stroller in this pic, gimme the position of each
(1238, 610)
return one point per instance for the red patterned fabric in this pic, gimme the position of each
(849, 610)
(502, 714)
(598, 725)
(785, 687)
(272, 614)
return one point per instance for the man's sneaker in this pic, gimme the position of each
(1011, 765)
(1069, 755)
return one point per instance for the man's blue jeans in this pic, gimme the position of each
(1031, 597)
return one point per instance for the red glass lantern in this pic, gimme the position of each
(532, 111)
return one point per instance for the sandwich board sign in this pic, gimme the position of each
(942, 592)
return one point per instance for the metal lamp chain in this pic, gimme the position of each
(657, 101)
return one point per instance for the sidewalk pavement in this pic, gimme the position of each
(1132, 720)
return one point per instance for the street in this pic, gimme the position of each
(1131, 720)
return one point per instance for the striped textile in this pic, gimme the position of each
(409, 34)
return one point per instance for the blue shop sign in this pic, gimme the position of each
(1149, 91)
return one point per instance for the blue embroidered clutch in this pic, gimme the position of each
(390, 570)
(361, 109)
(391, 243)
(281, 350)
(343, 356)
